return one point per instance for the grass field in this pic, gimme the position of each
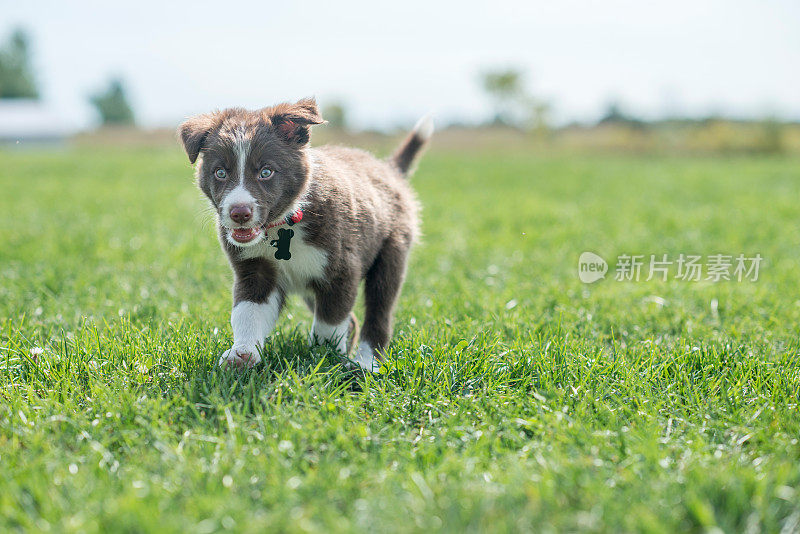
(515, 397)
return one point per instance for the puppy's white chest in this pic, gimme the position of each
(297, 263)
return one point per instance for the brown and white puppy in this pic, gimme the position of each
(312, 221)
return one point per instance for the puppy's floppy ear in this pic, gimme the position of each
(293, 121)
(194, 131)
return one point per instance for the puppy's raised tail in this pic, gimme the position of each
(410, 149)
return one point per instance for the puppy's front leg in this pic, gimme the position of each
(333, 318)
(257, 305)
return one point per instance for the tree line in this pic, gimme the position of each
(17, 81)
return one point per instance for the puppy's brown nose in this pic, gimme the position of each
(241, 213)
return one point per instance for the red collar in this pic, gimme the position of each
(295, 217)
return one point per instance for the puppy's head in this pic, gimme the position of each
(252, 165)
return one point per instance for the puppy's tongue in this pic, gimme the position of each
(244, 235)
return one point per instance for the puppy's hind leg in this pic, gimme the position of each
(381, 287)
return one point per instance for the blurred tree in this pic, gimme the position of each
(539, 116)
(504, 88)
(336, 115)
(16, 72)
(513, 105)
(112, 104)
(615, 115)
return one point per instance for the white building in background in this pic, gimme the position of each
(24, 121)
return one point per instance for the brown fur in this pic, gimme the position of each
(358, 209)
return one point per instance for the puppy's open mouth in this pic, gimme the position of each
(245, 235)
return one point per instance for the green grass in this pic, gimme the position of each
(515, 398)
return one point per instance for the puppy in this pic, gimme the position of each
(311, 221)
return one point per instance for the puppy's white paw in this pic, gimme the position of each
(365, 358)
(241, 357)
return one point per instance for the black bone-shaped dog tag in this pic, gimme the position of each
(282, 244)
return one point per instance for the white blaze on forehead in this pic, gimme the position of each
(241, 147)
(239, 194)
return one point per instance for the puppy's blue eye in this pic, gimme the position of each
(220, 174)
(266, 173)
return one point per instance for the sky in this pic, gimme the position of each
(391, 62)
